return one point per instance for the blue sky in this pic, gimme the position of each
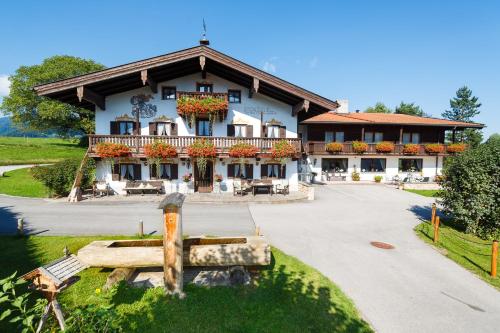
(364, 51)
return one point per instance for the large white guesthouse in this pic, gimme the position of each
(139, 103)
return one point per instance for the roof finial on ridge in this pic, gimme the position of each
(204, 40)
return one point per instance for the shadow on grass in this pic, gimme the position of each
(280, 301)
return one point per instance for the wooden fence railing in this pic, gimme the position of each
(222, 144)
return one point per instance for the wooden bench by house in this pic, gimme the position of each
(143, 187)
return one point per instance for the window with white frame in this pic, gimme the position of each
(163, 128)
(273, 131)
(240, 131)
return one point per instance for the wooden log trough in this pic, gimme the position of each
(197, 251)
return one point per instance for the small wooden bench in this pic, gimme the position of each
(143, 187)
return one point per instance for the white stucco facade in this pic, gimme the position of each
(431, 166)
(248, 112)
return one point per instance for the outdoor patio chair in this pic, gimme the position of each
(283, 188)
(237, 188)
(100, 187)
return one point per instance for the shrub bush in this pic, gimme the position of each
(359, 147)
(334, 147)
(59, 177)
(471, 189)
(378, 179)
(355, 176)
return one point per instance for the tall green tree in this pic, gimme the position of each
(409, 108)
(32, 112)
(378, 108)
(463, 107)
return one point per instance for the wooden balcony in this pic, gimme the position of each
(318, 148)
(222, 144)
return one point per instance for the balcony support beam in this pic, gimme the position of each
(401, 135)
(84, 93)
(149, 80)
(303, 105)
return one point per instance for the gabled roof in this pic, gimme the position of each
(181, 63)
(385, 119)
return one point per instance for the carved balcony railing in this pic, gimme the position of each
(319, 148)
(201, 95)
(181, 143)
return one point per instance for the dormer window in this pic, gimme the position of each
(205, 87)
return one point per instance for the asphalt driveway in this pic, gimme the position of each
(411, 288)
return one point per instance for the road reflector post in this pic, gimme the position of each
(494, 258)
(433, 215)
(141, 229)
(436, 230)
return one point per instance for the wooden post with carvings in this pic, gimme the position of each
(172, 243)
(494, 258)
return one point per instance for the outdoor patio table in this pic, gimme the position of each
(268, 187)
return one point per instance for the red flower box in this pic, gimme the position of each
(359, 147)
(334, 147)
(384, 147)
(434, 148)
(107, 150)
(411, 149)
(160, 150)
(243, 150)
(456, 148)
(282, 149)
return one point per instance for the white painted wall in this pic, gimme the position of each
(248, 110)
(392, 166)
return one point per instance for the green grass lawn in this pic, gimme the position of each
(20, 182)
(467, 250)
(426, 193)
(37, 150)
(288, 297)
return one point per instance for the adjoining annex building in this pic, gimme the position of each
(199, 98)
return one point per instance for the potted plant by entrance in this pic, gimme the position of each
(334, 147)
(202, 151)
(378, 179)
(359, 147)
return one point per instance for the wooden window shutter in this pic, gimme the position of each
(137, 131)
(114, 127)
(249, 171)
(282, 131)
(230, 171)
(152, 128)
(152, 171)
(283, 171)
(116, 169)
(137, 172)
(249, 131)
(263, 171)
(173, 129)
(230, 130)
(174, 169)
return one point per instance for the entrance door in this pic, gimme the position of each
(203, 182)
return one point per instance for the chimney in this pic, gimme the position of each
(343, 106)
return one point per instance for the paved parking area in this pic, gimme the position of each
(411, 288)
